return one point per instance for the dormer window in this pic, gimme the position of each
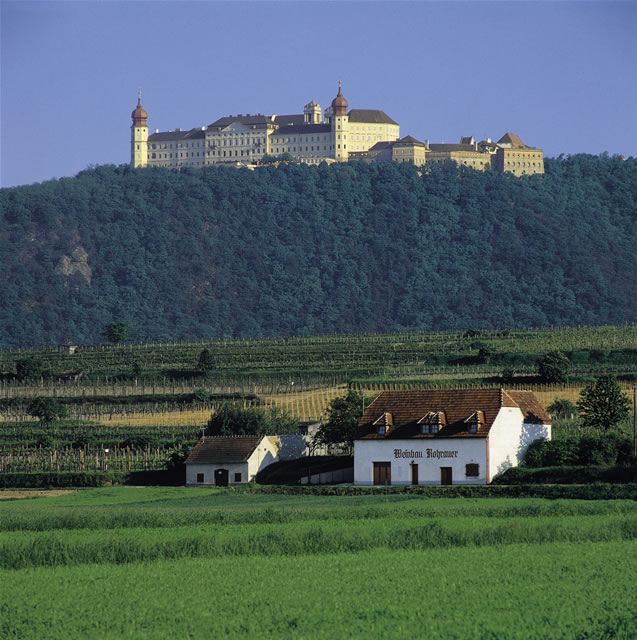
(432, 421)
(474, 421)
(383, 423)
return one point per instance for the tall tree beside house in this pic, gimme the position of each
(343, 414)
(232, 420)
(602, 404)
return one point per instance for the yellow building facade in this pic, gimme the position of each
(308, 137)
(314, 136)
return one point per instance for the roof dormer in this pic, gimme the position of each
(432, 422)
(474, 421)
(383, 423)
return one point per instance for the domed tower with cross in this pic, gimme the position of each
(139, 136)
(339, 122)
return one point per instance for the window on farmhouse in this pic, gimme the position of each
(473, 427)
(200, 477)
(472, 470)
(237, 477)
(381, 429)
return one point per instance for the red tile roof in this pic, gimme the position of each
(221, 449)
(513, 140)
(409, 409)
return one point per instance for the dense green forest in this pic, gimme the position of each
(299, 250)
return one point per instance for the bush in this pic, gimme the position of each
(568, 475)
(553, 367)
(609, 449)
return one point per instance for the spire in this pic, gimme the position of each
(139, 115)
(339, 104)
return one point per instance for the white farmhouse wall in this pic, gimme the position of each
(509, 439)
(429, 454)
(208, 471)
(265, 454)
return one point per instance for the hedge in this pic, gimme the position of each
(598, 491)
(53, 480)
(568, 475)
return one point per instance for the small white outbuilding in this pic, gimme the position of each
(228, 460)
(445, 437)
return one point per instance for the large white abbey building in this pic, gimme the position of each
(310, 137)
(314, 136)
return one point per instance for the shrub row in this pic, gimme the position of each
(598, 491)
(568, 475)
(53, 480)
(603, 449)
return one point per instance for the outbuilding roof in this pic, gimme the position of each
(410, 409)
(223, 449)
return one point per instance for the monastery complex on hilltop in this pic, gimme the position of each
(314, 136)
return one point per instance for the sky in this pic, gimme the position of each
(561, 75)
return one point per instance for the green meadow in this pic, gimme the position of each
(126, 562)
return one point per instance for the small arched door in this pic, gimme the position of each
(221, 477)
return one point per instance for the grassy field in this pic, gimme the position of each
(131, 562)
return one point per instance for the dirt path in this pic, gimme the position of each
(38, 493)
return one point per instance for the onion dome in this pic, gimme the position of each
(339, 104)
(139, 115)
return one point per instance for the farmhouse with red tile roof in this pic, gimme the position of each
(223, 461)
(445, 437)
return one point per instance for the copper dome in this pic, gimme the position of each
(339, 104)
(139, 113)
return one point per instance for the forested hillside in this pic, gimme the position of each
(308, 250)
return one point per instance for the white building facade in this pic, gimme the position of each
(246, 139)
(445, 437)
(225, 461)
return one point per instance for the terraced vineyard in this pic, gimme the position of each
(153, 395)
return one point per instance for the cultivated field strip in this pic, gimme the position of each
(46, 535)
(307, 358)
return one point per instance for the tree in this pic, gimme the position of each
(553, 367)
(29, 368)
(116, 332)
(206, 361)
(344, 414)
(46, 409)
(602, 403)
(562, 408)
(232, 420)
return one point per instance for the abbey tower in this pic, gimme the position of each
(139, 136)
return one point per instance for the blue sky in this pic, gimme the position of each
(562, 75)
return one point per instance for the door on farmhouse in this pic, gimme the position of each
(414, 473)
(382, 473)
(221, 477)
(445, 475)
